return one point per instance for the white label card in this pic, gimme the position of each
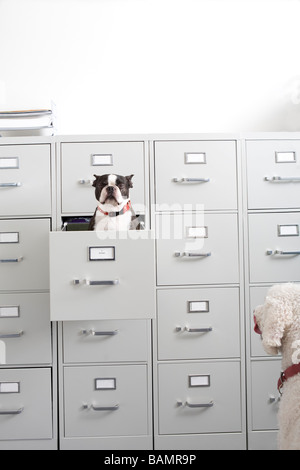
(102, 160)
(288, 230)
(101, 253)
(198, 306)
(285, 157)
(10, 312)
(9, 387)
(106, 384)
(193, 157)
(199, 380)
(9, 162)
(9, 237)
(197, 232)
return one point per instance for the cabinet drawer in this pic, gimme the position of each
(196, 323)
(194, 398)
(25, 180)
(197, 249)
(24, 254)
(265, 375)
(81, 160)
(25, 404)
(25, 330)
(106, 341)
(195, 173)
(274, 244)
(273, 168)
(106, 401)
(96, 277)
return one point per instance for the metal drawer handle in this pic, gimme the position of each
(10, 185)
(191, 180)
(292, 179)
(12, 335)
(113, 282)
(193, 330)
(188, 254)
(283, 253)
(100, 333)
(101, 408)
(195, 405)
(89, 182)
(12, 260)
(12, 412)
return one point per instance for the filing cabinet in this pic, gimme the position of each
(199, 360)
(272, 176)
(102, 293)
(27, 339)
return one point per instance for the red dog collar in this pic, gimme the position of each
(115, 214)
(287, 374)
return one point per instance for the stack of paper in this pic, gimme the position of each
(27, 122)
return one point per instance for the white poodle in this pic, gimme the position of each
(278, 321)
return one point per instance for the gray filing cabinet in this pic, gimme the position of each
(199, 347)
(103, 296)
(27, 371)
(157, 349)
(272, 243)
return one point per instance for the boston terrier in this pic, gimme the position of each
(114, 211)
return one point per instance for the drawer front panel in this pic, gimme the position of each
(24, 254)
(106, 401)
(273, 174)
(195, 173)
(25, 328)
(209, 258)
(274, 244)
(194, 398)
(94, 277)
(194, 323)
(257, 297)
(25, 180)
(25, 404)
(106, 341)
(265, 404)
(80, 161)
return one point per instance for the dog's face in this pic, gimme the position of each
(274, 318)
(112, 189)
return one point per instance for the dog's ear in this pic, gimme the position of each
(129, 178)
(95, 181)
(278, 316)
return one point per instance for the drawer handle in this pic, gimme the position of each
(12, 412)
(113, 282)
(87, 182)
(101, 408)
(195, 405)
(188, 254)
(12, 260)
(100, 333)
(10, 185)
(191, 180)
(292, 179)
(12, 335)
(283, 253)
(194, 330)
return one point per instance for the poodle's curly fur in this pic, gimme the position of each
(279, 322)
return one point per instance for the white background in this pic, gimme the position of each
(130, 66)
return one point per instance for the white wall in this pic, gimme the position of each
(153, 65)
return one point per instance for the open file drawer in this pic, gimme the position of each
(102, 275)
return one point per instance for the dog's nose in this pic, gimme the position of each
(110, 189)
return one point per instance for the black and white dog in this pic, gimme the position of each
(114, 211)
